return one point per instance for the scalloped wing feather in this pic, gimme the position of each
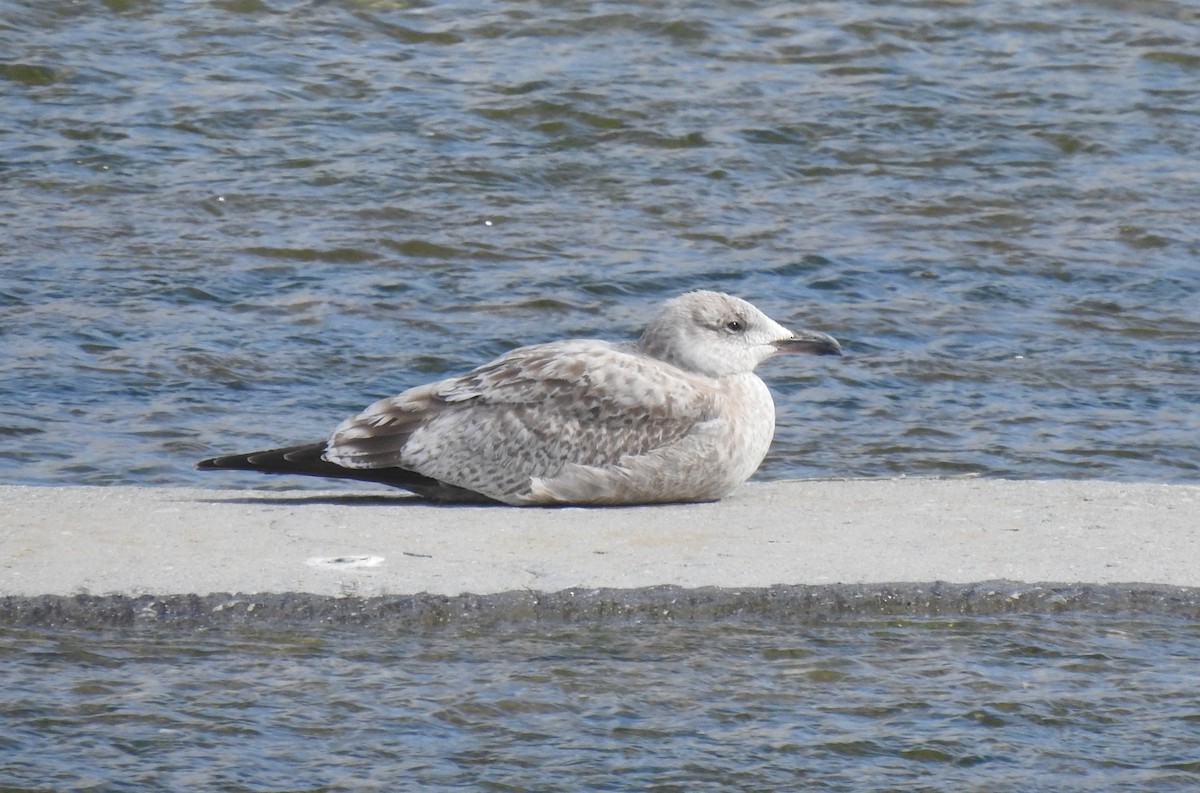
(526, 416)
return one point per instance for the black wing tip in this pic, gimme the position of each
(218, 463)
(307, 460)
(284, 460)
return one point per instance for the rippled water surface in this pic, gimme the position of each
(230, 224)
(985, 704)
(227, 225)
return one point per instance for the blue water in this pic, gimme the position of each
(1002, 704)
(228, 225)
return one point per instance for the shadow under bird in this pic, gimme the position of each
(677, 415)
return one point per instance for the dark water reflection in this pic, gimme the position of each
(230, 224)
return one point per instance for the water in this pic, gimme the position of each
(1066, 703)
(229, 225)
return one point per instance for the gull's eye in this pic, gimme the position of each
(735, 326)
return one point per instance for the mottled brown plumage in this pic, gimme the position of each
(677, 415)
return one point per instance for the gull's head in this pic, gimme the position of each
(717, 335)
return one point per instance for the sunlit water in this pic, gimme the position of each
(228, 225)
(981, 704)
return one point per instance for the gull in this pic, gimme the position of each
(676, 416)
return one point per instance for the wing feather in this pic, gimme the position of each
(527, 415)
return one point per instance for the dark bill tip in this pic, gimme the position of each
(812, 342)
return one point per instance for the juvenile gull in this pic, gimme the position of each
(677, 415)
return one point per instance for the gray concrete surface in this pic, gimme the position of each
(141, 542)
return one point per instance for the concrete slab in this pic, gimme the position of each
(161, 541)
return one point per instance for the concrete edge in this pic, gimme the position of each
(782, 604)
